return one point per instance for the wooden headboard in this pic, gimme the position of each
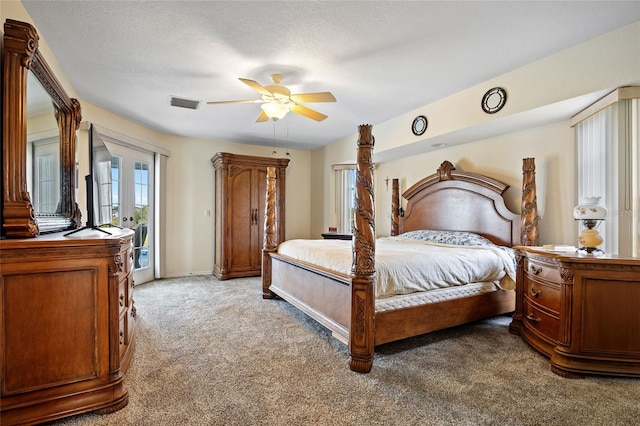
(453, 200)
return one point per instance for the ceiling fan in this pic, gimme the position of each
(277, 100)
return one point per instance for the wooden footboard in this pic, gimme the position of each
(322, 294)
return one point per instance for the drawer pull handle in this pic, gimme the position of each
(533, 319)
(535, 294)
(122, 300)
(535, 270)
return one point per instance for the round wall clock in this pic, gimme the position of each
(419, 125)
(494, 100)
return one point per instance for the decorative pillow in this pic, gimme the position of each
(459, 238)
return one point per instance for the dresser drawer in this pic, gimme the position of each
(131, 320)
(543, 322)
(130, 284)
(123, 333)
(543, 293)
(123, 293)
(541, 271)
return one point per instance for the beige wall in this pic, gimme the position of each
(495, 144)
(189, 176)
(189, 190)
(598, 65)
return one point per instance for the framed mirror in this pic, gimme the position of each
(39, 141)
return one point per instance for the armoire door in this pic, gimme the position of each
(242, 208)
(261, 202)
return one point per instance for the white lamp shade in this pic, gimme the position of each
(275, 110)
(589, 209)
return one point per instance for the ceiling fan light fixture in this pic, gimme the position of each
(275, 110)
(277, 101)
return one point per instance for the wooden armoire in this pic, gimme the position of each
(240, 198)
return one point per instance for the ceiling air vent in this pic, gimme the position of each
(184, 103)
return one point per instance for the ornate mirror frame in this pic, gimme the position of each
(21, 55)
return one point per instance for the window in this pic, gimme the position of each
(608, 162)
(46, 191)
(345, 202)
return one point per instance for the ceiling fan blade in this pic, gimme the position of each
(256, 86)
(305, 98)
(255, 101)
(262, 117)
(307, 112)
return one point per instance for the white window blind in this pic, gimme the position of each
(345, 178)
(47, 194)
(608, 161)
(596, 162)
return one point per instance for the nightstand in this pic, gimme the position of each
(582, 312)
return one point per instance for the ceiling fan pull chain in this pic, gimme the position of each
(274, 138)
(288, 154)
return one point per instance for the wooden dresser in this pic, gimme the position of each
(67, 319)
(240, 198)
(583, 312)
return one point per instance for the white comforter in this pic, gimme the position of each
(406, 266)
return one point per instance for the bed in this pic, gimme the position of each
(344, 299)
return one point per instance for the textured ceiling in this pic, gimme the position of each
(380, 59)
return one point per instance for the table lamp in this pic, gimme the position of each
(591, 213)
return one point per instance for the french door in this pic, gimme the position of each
(132, 204)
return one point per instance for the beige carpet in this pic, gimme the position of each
(215, 353)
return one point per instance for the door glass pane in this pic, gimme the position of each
(115, 190)
(141, 209)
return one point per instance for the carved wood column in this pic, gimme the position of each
(562, 353)
(270, 232)
(68, 123)
(516, 324)
(361, 336)
(529, 228)
(20, 46)
(566, 302)
(395, 206)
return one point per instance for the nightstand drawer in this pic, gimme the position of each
(539, 271)
(543, 322)
(123, 297)
(543, 293)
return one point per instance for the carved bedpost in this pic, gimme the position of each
(529, 228)
(395, 206)
(361, 337)
(270, 232)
